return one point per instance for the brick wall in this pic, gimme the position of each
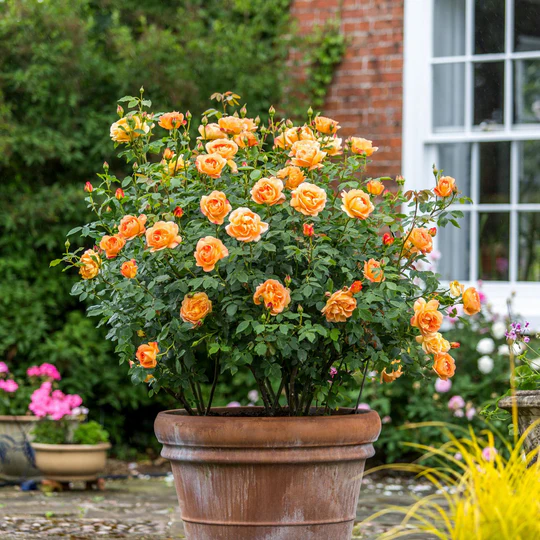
(366, 93)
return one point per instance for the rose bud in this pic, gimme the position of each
(356, 287)
(287, 280)
(178, 212)
(433, 231)
(309, 230)
(119, 194)
(88, 187)
(105, 166)
(168, 153)
(120, 111)
(387, 239)
(455, 344)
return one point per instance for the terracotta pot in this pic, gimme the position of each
(16, 455)
(528, 405)
(71, 462)
(261, 478)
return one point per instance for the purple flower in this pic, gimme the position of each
(455, 403)
(443, 386)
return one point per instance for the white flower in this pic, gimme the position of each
(485, 364)
(498, 330)
(535, 363)
(485, 346)
(253, 396)
(504, 350)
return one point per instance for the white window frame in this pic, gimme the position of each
(418, 135)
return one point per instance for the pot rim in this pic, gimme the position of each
(19, 418)
(70, 447)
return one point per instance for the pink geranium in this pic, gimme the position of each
(46, 370)
(9, 385)
(56, 404)
(3, 368)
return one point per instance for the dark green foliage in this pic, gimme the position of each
(90, 433)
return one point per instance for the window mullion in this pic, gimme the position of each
(514, 218)
(474, 240)
(469, 41)
(508, 71)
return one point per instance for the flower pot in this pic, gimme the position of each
(16, 455)
(252, 477)
(71, 462)
(528, 406)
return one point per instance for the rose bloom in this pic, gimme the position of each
(210, 164)
(362, 146)
(444, 366)
(231, 124)
(419, 241)
(215, 207)
(308, 199)
(427, 317)
(164, 234)
(339, 306)
(122, 132)
(292, 135)
(119, 194)
(248, 124)
(307, 154)
(224, 147)
(446, 185)
(393, 375)
(274, 295)
(373, 271)
(129, 269)
(88, 187)
(147, 354)
(245, 225)
(195, 307)
(178, 212)
(433, 343)
(471, 301)
(293, 176)
(356, 286)
(326, 125)
(268, 191)
(171, 120)
(91, 263)
(112, 245)
(356, 204)
(375, 187)
(209, 251)
(246, 139)
(308, 229)
(173, 165)
(456, 288)
(132, 226)
(387, 239)
(210, 131)
(332, 146)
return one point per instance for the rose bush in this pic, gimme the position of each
(260, 247)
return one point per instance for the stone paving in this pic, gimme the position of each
(146, 508)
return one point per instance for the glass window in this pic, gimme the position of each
(488, 93)
(494, 244)
(489, 26)
(526, 25)
(455, 161)
(455, 247)
(529, 171)
(527, 91)
(448, 90)
(494, 173)
(449, 28)
(529, 246)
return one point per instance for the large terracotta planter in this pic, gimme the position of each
(71, 462)
(528, 406)
(16, 455)
(260, 478)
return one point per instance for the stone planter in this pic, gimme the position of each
(528, 405)
(16, 455)
(71, 462)
(254, 478)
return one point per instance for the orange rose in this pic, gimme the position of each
(164, 234)
(171, 120)
(373, 271)
(293, 176)
(308, 199)
(444, 366)
(268, 191)
(132, 226)
(215, 207)
(246, 139)
(456, 288)
(339, 306)
(195, 307)
(332, 146)
(326, 125)
(124, 130)
(173, 165)
(286, 139)
(393, 375)
(274, 295)
(112, 245)
(419, 241)
(224, 147)
(231, 124)
(426, 316)
(210, 131)
(307, 154)
(471, 301)
(375, 187)
(90, 264)
(433, 343)
(129, 269)
(245, 225)
(147, 354)
(445, 186)
(209, 251)
(362, 146)
(248, 124)
(210, 164)
(357, 204)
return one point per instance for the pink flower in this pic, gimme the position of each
(3, 368)
(363, 407)
(489, 453)
(443, 386)
(233, 404)
(455, 403)
(470, 413)
(45, 370)
(56, 405)
(333, 372)
(9, 385)
(386, 419)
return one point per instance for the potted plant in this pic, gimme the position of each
(263, 248)
(66, 449)
(16, 421)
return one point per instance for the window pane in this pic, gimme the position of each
(488, 26)
(526, 25)
(455, 161)
(529, 171)
(488, 93)
(527, 91)
(455, 247)
(449, 28)
(448, 95)
(495, 172)
(494, 230)
(529, 246)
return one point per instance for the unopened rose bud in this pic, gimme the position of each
(244, 163)
(387, 239)
(327, 294)
(287, 280)
(200, 146)
(105, 166)
(135, 166)
(119, 193)
(204, 121)
(310, 112)
(67, 244)
(300, 309)
(309, 230)
(289, 124)
(243, 111)
(400, 181)
(271, 110)
(257, 120)
(433, 231)
(356, 287)
(455, 344)
(178, 212)
(108, 209)
(188, 115)
(88, 187)
(141, 89)
(120, 111)
(168, 154)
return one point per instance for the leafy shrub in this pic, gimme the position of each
(90, 433)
